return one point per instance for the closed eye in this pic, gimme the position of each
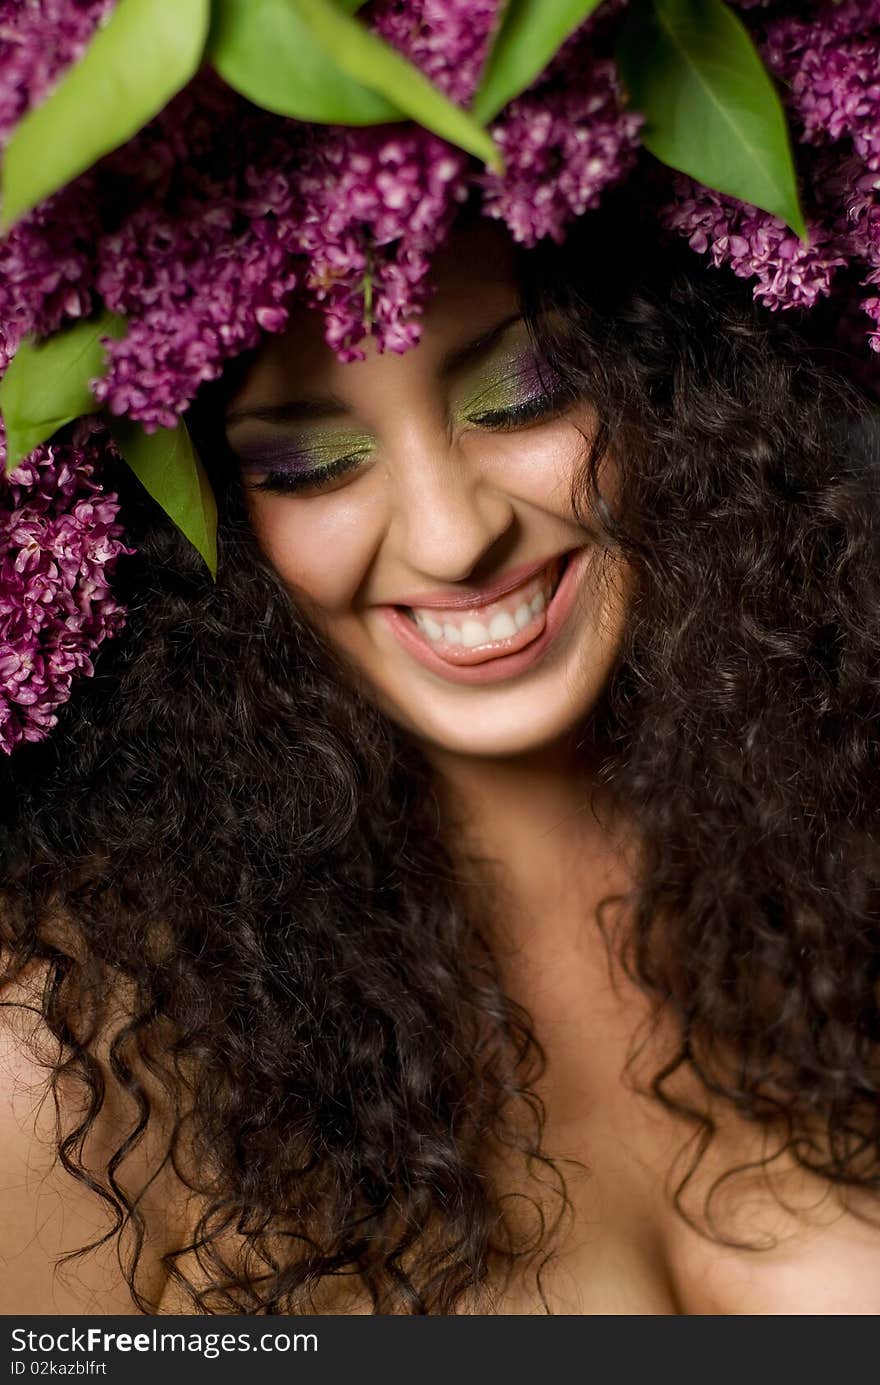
(289, 482)
(542, 406)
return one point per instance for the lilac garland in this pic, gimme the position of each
(204, 258)
(352, 218)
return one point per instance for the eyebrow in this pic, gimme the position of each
(324, 406)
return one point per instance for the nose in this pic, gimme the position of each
(448, 512)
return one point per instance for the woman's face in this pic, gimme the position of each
(418, 509)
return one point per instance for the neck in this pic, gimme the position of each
(543, 828)
(541, 843)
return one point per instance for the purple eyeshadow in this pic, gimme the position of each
(275, 459)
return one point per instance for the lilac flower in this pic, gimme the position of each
(59, 541)
(447, 39)
(563, 145)
(376, 207)
(872, 308)
(378, 204)
(788, 273)
(38, 40)
(856, 193)
(206, 294)
(200, 272)
(47, 265)
(829, 65)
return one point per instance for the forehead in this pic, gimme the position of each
(475, 286)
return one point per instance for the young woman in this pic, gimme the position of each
(525, 966)
(469, 901)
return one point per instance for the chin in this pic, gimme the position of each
(494, 732)
(496, 745)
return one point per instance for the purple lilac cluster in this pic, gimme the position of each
(833, 76)
(59, 541)
(826, 60)
(378, 204)
(46, 263)
(563, 145)
(59, 535)
(47, 266)
(447, 39)
(203, 264)
(861, 221)
(38, 40)
(376, 207)
(829, 65)
(755, 245)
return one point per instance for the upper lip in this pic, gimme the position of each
(452, 599)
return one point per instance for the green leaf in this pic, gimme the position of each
(166, 464)
(531, 33)
(266, 50)
(711, 108)
(136, 62)
(370, 60)
(47, 384)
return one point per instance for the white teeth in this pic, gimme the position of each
(502, 626)
(473, 632)
(430, 627)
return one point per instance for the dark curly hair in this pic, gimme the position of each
(242, 844)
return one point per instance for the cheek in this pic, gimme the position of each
(321, 546)
(539, 464)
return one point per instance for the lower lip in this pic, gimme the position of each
(505, 665)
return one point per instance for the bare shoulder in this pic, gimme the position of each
(45, 1212)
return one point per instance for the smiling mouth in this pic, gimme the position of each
(500, 627)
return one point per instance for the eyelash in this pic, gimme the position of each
(498, 421)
